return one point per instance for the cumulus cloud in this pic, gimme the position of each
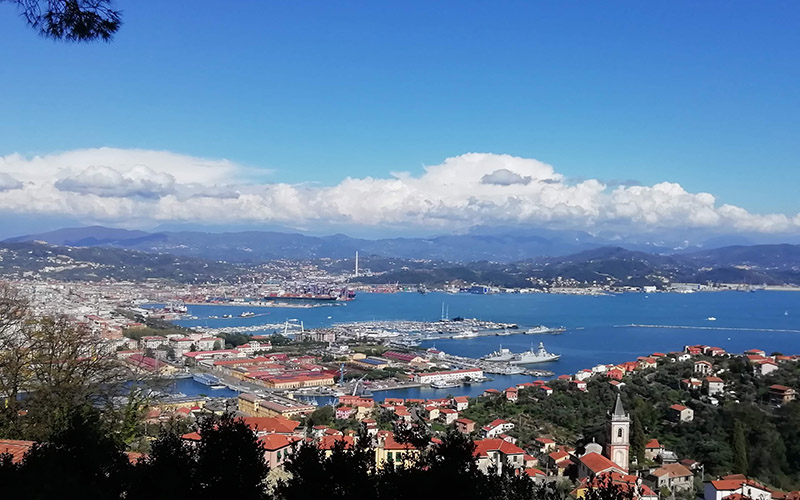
(105, 181)
(121, 186)
(505, 177)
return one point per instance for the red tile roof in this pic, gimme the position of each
(484, 446)
(597, 463)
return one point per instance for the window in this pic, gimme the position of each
(619, 433)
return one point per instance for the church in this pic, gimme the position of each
(614, 458)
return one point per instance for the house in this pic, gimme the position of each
(646, 362)
(714, 385)
(370, 425)
(496, 428)
(703, 368)
(277, 448)
(584, 374)
(691, 384)
(546, 390)
(497, 453)
(652, 449)
(764, 366)
(616, 373)
(344, 412)
(460, 403)
(328, 443)
(402, 413)
(465, 425)
(675, 477)
(556, 462)
(679, 413)
(388, 449)
(755, 352)
(448, 416)
(579, 384)
(535, 474)
(722, 488)
(490, 393)
(714, 351)
(431, 412)
(780, 394)
(593, 464)
(511, 394)
(545, 445)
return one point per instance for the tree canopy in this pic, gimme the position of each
(71, 20)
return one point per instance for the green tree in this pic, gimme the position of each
(321, 416)
(71, 20)
(230, 461)
(639, 440)
(739, 448)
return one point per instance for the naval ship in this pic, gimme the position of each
(529, 357)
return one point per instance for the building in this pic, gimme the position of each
(703, 368)
(460, 403)
(446, 376)
(277, 448)
(495, 428)
(722, 488)
(497, 453)
(652, 449)
(618, 436)
(594, 464)
(714, 385)
(272, 406)
(679, 413)
(675, 477)
(780, 394)
(511, 394)
(465, 425)
(448, 416)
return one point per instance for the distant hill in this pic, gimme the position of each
(494, 244)
(27, 259)
(757, 256)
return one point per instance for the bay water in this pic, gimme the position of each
(598, 327)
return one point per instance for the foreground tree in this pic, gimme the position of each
(82, 460)
(71, 20)
(230, 461)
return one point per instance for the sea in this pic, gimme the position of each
(600, 329)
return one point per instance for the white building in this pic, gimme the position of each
(446, 376)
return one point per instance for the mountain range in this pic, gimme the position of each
(504, 258)
(503, 244)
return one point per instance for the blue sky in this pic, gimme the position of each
(702, 94)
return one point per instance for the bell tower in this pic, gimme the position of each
(618, 438)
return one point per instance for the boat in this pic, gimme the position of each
(247, 314)
(445, 384)
(465, 335)
(544, 330)
(711, 318)
(227, 316)
(529, 357)
(501, 355)
(209, 380)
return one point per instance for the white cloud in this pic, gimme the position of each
(125, 186)
(106, 181)
(8, 182)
